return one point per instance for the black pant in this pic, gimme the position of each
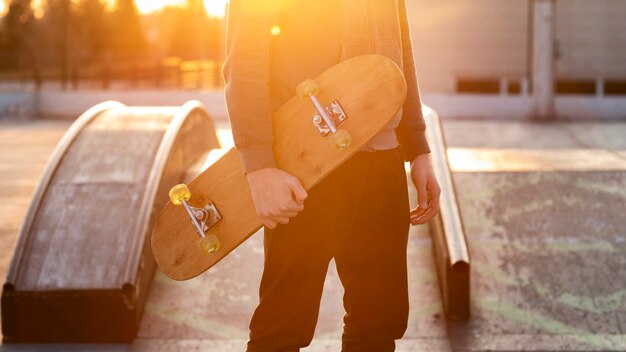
(358, 215)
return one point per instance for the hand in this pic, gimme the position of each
(428, 190)
(277, 195)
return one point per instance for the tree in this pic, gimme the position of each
(127, 38)
(59, 22)
(18, 33)
(194, 34)
(94, 28)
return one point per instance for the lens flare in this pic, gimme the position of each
(275, 30)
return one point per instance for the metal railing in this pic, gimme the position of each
(168, 73)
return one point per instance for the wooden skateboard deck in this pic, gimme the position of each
(370, 89)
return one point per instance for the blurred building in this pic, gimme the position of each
(482, 46)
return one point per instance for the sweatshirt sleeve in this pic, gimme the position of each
(411, 131)
(246, 74)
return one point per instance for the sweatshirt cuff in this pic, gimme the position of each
(256, 156)
(413, 143)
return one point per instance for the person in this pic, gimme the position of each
(359, 215)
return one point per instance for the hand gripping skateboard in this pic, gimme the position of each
(329, 120)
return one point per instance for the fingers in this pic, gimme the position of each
(269, 224)
(417, 216)
(280, 214)
(434, 192)
(422, 195)
(298, 192)
(433, 209)
(422, 214)
(281, 220)
(272, 222)
(289, 214)
(290, 207)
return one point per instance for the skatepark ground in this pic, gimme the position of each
(543, 206)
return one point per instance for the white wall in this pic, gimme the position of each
(489, 39)
(73, 103)
(17, 105)
(499, 107)
(591, 38)
(467, 38)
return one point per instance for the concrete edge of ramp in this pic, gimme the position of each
(450, 249)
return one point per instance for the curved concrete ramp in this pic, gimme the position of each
(82, 266)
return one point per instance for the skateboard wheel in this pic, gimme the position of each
(179, 193)
(307, 88)
(210, 244)
(341, 139)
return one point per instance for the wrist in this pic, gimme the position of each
(259, 171)
(256, 156)
(420, 158)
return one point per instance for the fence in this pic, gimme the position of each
(169, 73)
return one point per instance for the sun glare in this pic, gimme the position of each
(148, 6)
(214, 8)
(275, 30)
(38, 8)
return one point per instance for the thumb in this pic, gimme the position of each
(299, 193)
(422, 195)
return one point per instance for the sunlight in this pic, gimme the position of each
(526, 160)
(149, 6)
(215, 8)
(38, 8)
(275, 30)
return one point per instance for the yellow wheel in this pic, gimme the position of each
(307, 88)
(210, 244)
(341, 139)
(179, 193)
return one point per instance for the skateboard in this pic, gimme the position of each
(327, 121)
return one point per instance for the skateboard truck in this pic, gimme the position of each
(202, 218)
(327, 119)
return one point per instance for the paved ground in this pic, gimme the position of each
(546, 238)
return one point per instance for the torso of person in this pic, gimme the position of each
(309, 42)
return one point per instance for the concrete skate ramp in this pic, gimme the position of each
(82, 267)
